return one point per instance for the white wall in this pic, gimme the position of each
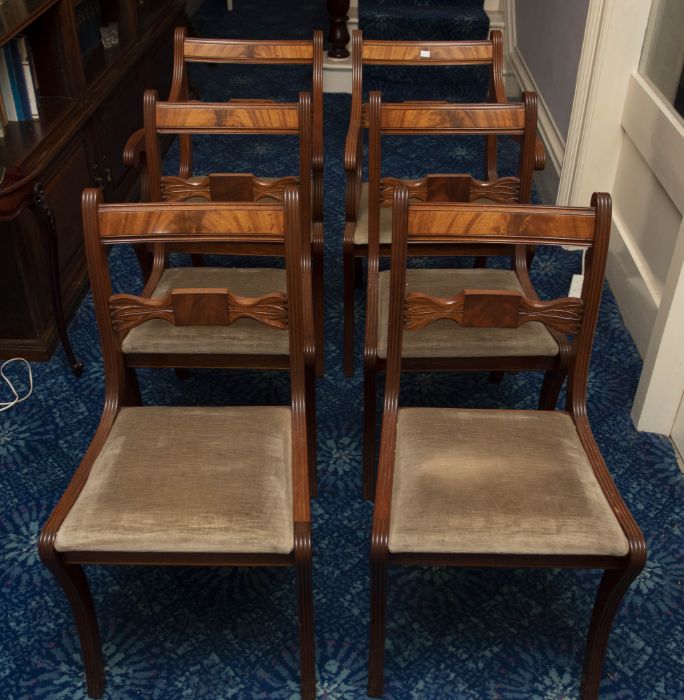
(543, 47)
(549, 39)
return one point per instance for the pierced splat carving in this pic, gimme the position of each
(487, 308)
(198, 307)
(178, 189)
(503, 190)
(272, 188)
(417, 189)
(225, 187)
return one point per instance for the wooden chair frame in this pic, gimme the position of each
(411, 53)
(204, 225)
(511, 119)
(588, 228)
(240, 52)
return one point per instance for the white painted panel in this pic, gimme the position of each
(651, 219)
(662, 380)
(658, 132)
(636, 303)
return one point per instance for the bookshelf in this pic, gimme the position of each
(88, 99)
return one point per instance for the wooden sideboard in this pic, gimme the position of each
(89, 102)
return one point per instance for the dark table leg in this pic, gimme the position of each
(48, 231)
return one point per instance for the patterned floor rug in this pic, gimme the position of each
(206, 634)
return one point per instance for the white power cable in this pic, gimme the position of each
(6, 405)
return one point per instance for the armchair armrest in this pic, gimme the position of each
(134, 150)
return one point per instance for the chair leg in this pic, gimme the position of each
(480, 261)
(349, 286)
(182, 373)
(133, 387)
(310, 390)
(307, 642)
(551, 387)
(376, 652)
(318, 291)
(612, 588)
(197, 260)
(73, 581)
(369, 421)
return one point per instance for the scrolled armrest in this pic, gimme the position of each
(134, 150)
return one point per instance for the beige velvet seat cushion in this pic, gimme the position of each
(484, 481)
(447, 339)
(188, 480)
(244, 337)
(361, 230)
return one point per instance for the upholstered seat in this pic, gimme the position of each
(183, 479)
(482, 481)
(361, 230)
(447, 339)
(244, 337)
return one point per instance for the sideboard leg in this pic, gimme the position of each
(48, 232)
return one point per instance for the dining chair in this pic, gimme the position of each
(498, 488)
(189, 485)
(531, 347)
(411, 54)
(241, 52)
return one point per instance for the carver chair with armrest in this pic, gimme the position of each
(498, 488)
(246, 344)
(241, 52)
(449, 347)
(192, 486)
(187, 50)
(412, 54)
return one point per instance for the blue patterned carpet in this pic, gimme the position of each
(209, 634)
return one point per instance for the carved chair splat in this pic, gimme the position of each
(131, 500)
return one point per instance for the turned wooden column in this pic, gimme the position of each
(338, 36)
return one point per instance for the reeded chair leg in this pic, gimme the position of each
(307, 643)
(369, 421)
(376, 651)
(310, 384)
(349, 286)
(318, 308)
(612, 588)
(551, 388)
(73, 581)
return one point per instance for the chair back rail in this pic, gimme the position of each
(243, 117)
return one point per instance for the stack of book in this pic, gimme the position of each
(18, 84)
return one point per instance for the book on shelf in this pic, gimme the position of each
(6, 89)
(29, 75)
(18, 84)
